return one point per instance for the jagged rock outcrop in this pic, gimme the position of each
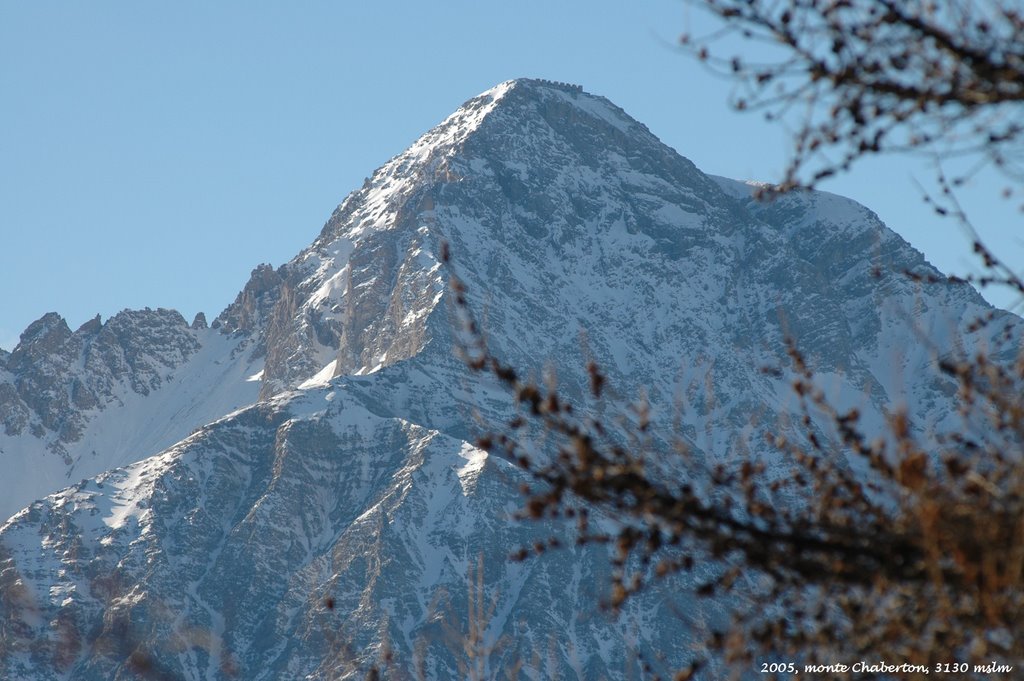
(253, 305)
(58, 375)
(78, 403)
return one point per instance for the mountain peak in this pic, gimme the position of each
(554, 100)
(42, 336)
(516, 126)
(520, 108)
(544, 83)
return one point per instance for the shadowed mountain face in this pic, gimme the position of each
(345, 513)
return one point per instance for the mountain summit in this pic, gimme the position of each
(527, 159)
(342, 511)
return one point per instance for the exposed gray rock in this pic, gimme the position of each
(58, 374)
(57, 385)
(253, 305)
(91, 327)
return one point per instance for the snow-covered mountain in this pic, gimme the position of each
(74, 404)
(346, 513)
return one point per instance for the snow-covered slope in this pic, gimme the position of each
(346, 513)
(74, 404)
(291, 541)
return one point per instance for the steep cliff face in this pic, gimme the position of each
(346, 513)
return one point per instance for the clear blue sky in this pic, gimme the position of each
(152, 153)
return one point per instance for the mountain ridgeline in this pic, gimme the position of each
(293, 492)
